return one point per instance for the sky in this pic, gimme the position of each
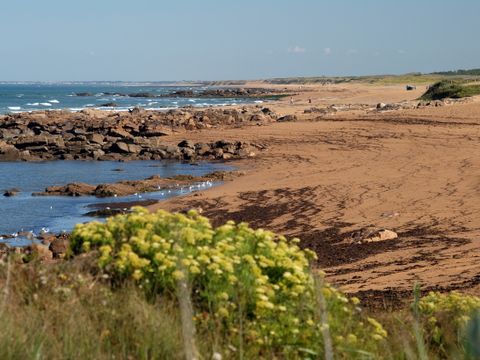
(154, 40)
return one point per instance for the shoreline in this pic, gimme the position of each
(326, 176)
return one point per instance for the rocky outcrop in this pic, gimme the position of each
(373, 235)
(50, 247)
(203, 93)
(131, 187)
(140, 134)
(11, 192)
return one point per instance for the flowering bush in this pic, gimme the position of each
(247, 286)
(446, 315)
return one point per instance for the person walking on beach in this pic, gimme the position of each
(291, 101)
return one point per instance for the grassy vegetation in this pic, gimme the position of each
(169, 286)
(453, 89)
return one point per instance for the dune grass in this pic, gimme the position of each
(454, 89)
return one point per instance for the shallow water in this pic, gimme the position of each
(25, 212)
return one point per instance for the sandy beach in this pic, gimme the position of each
(414, 172)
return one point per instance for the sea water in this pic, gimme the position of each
(25, 212)
(21, 97)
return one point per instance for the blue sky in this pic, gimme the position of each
(214, 39)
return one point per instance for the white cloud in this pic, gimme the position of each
(327, 51)
(297, 50)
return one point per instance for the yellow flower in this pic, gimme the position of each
(137, 275)
(222, 312)
(178, 275)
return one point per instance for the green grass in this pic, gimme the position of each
(453, 89)
(67, 312)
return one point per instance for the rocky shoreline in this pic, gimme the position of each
(135, 135)
(202, 93)
(131, 187)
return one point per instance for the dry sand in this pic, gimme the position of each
(416, 172)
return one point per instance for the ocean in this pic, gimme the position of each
(20, 97)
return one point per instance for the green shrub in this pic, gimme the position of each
(450, 89)
(251, 289)
(445, 318)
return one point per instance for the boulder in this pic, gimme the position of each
(202, 149)
(122, 147)
(120, 132)
(96, 138)
(59, 247)
(37, 252)
(72, 189)
(186, 144)
(11, 192)
(374, 235)
(287, 118)
(8, 152)
(31, 141)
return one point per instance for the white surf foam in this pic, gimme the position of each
(54, 101)
(45, 104)
(33, 104)
(14, 108)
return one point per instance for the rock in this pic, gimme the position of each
(59, 247)
(109, 104)
(120, 132)
(121, 147)
(11, 192)
(372, 235)
(37, 252)
(188, 153)
(202, 149)
(8, 152)
(93, 113)
(105, 212)
(72, 189)
(4, 248)
(31, 141)
(186, 144)
(47, 238)
(287, 118)
(98, 154)
(217, 153)
(101, 135)
(96, 138)
(381, 105)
